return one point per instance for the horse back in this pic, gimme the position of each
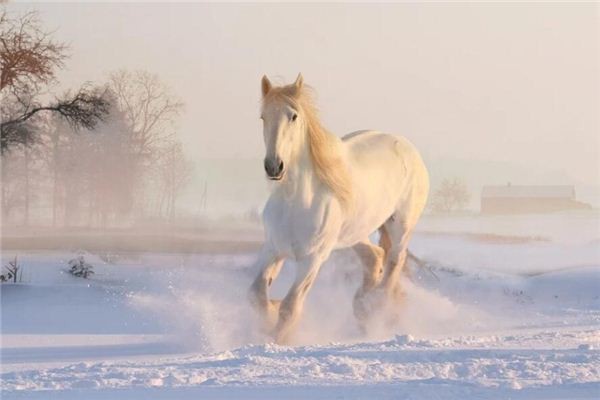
(381, 147)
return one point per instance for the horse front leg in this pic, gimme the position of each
(293, 303)
(269, 265)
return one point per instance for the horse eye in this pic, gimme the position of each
(294, 117)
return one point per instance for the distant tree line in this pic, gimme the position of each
(451, 195)
(101, 155)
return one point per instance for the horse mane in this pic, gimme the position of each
(325, 148)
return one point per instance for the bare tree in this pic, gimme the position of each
(83, 109)
(13, 178)
(28, 55)
(452, 195)
(29, 59)
(53, 141)
(90, 173)
(111, 167)
(21, 175)
(149, 108)
(175, 174)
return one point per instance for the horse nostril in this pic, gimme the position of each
(273, 167)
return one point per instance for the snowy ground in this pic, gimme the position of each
(492, 317)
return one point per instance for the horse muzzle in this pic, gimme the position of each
(274, 168)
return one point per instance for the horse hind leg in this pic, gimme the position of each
(371, 257)
(384, 240)
(398, 234)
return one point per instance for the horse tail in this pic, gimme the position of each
(420, 263)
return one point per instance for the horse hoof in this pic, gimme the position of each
(271, 315)
(379, 306)
(366, 305)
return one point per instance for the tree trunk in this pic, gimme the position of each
(27, 160)
(54, 177)
(5, 206)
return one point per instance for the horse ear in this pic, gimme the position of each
(299, 81)
(265, 85)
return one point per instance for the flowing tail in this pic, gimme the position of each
(420, 263)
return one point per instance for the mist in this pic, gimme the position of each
(490, 93)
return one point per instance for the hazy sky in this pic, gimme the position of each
(516, 84)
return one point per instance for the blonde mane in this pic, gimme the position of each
(324, 147)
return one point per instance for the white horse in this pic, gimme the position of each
(332, 193)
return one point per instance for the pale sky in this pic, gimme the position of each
(486, 84)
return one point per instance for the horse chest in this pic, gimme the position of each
(298, 229)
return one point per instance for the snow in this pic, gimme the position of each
(490, 317)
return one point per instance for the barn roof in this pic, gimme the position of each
(519, 191)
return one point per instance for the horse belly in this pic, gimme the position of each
(381, 170)
(377, 194)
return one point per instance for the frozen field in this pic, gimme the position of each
(504, 310)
